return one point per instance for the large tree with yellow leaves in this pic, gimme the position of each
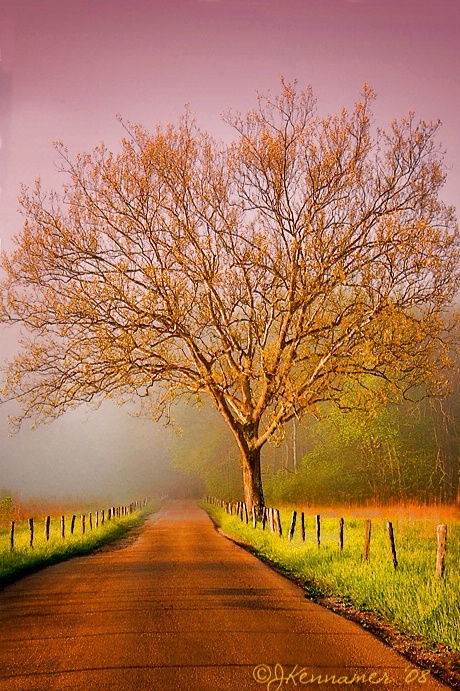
(302, 262)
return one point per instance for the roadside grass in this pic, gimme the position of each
(23, 560)
(411, 598)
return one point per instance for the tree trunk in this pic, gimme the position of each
(252, 482)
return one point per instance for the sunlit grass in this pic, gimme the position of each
(24, 559)
(411, 597)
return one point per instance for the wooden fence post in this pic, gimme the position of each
(102, 516)
(31, 532)
(318, 529)
(292, 526)
(254, 517)
(72, 525)
(391, 538)
(47, 528)
(279, 528)
(97, 519)
(302, 526)
(441, 534)
(63, 527)
(275, 524)
(341, 524)
(12, 536)
(271, 521)
(83, 518)
(264, 517)
(90, 521)
(367, 540)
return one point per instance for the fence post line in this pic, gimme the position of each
(391, 538)
(83, 518)
(12, 536)
(31, 532)
(341, 524)
(302, 526)
(318, 529)
(441, 535)
(72, 524)
(63, 527)
(47, 528)
(367, 540)
(97, 519)
(90, 521)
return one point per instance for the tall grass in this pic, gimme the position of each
(23, 559)
(411, 597)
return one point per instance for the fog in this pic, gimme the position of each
(88, 454)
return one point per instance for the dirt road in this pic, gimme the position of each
(183, 609)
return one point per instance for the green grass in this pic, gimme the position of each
(23, 560)
(411, 597)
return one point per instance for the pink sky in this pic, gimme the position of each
(69, 67)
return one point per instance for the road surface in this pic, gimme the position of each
(183, 609)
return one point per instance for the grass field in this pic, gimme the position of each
(23, 559)
(411, 597)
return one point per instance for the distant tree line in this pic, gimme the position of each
(405, 452)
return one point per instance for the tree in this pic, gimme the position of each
(267, 274)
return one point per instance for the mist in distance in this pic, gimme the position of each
(91, 454)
